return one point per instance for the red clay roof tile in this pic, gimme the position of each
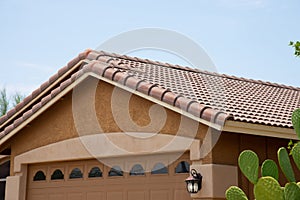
(3, 119)
(210, 96)
(144, 87)
(157, 92)
(18, 121)
(132, 82)
(27, 114)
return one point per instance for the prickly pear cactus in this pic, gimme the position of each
(269, 168)
(285, 164)
(296, 154)
(235, 193)
(268, 188)
(296, 121)
(248, 163)
(292, 191)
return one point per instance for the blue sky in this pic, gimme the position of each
(245, 38)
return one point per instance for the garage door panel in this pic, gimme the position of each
(95, 195)
(180, 194)
(113, 195)
(39, 196)
(75, 196)
(160, 195)
(60, 196)
(134, 195)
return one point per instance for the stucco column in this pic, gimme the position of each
(12, 188)
(216, 179)
(16, 185)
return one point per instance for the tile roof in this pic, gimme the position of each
(210, 96)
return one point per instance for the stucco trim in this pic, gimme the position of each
(260, 130)
(97, 145)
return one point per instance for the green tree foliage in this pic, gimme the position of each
(17, 98)
(296, 46)
(8, 102)
(4, 102)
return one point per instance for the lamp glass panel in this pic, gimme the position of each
(190, 187)
(195, 189)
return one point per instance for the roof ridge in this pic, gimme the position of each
(187, 68)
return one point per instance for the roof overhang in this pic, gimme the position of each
(4, 158)
(260, 130)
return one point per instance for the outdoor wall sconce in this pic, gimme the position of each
(194, 182)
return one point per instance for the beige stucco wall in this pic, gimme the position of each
(57, 123)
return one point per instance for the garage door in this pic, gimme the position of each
(92, 180)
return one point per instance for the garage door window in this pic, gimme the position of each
(115, 171)
(57, 175)
(159, 168)
(39, 176)
(137, 170)
(76, 173)
(95, 172)
(182, 167)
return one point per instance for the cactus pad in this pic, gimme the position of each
(296, 154)
(296, 121)
(267, 188)
(269, 168)
(285, 164)
(292, 191)
(248, 163)
(235, 193)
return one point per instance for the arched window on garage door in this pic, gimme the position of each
(57, 175)
(39, 176)
(159, 168)
(76, 173)
(115, 171)
(95, 172)
(182, 167)
(137, 170)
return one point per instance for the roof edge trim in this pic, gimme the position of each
(42, 109)
(259, 129)
(44, 88)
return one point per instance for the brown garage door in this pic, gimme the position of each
(91, 180)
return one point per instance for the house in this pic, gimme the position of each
(111, 127)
